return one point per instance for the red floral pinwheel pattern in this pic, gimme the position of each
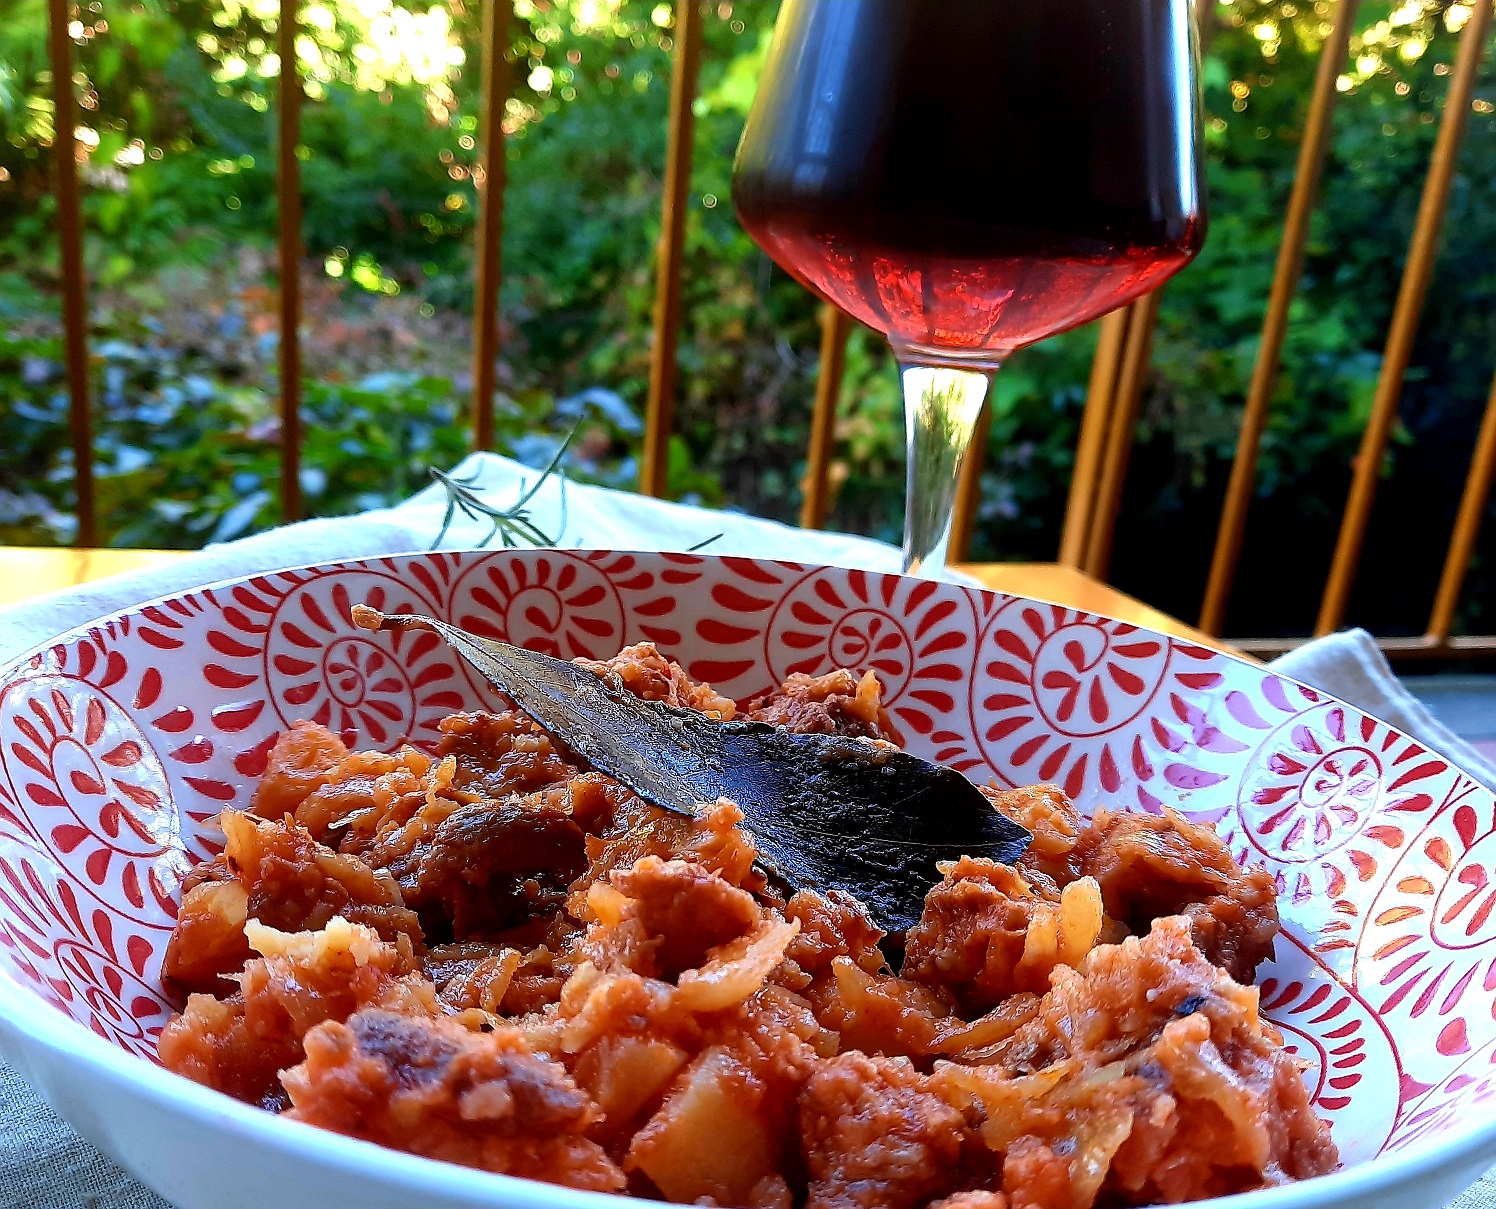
(294, 630)
(80, 956)
(915, 637)
(1309, 788)
(568, 605)
(89, 784)
(1351, 1060)
(1428, 952)
(559, 604)
(1056, 692)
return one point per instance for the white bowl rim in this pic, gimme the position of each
(24, 1012)
(78, 631)
(82, 628)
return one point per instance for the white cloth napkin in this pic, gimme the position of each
(45, 1165)
(570, 513)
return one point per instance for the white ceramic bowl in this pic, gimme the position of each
(121, 740)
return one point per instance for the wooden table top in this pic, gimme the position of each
(1067, 586)
(28, 571)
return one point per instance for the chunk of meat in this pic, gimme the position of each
(986, 933)
(875, 1137)
(304, 758)
(1151, 866)
(274, 872)
(472, 867)
(836, 703)
(649, 675)
(833, 925)
(971, 934)
(499, 754)
(1237, 930)
(432, 1087)
(1051, 819)
(713, 839)
(238, 1045)
(490, 865)
(669, 917)
(295, 884)
(1148, 867)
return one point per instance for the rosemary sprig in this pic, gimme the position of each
(513, 525)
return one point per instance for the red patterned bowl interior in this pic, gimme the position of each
(120, 743)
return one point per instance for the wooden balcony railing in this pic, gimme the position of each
(1117, 374)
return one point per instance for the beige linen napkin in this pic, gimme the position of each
(45, 1165)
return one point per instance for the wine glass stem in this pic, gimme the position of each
(941, 407)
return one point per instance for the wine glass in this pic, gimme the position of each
(968, 177)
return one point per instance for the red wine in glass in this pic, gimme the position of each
(969, 177)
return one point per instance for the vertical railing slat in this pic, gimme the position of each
(1410, 298)
(1106, 366)
(491, 183)
(1091, 547)
(289, 241)
(74, 287)
(969, 485)
(1467, 524)
(660, 409)
(815, 503)
(1140, 325)
(1312, 151)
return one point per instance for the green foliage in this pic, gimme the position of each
(1390, 102)
(183, 459)
(181, 96)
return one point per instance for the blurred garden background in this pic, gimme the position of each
(178, 123)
